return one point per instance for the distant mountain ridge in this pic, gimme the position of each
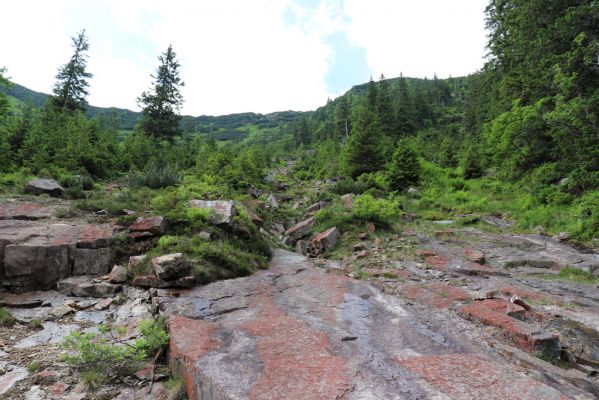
(205, 123)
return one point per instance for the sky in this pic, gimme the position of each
(240, 55)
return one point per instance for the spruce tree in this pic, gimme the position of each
(405, 169)
(161, 105)
(362, 152)
(70, 88)
(372, 95)
(405, 109)
(342, 121)
(383, 106)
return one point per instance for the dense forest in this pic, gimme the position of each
(520, 137)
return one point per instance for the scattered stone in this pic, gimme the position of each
(563, 236)
(363, 235)
(39, 186)
(413, 192)
(272, 201)
(221, 211)
(97, 317)
(10, 379)
(45, 377)
(347, 200)
(361, 254)
(84, 304)
(171, 266)
(103, 304)
(371, 227)
(139, 236)
(255, 218)
(134, 261)
(51, 333)
(517, 300)
(159, 392)
(300, 229)
(155, 225)
(378, 242)
(155, 282)
(35, 393)
(484, 294)
(59, 312)
(360, 246)
(314, 207)
(118, 274)
(205, 235)
(444, 222)
(323, 241)
(87, 286)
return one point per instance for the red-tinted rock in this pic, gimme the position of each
(324, 241)
(46, 377)
(474, 255)
(24, 211)
(155, 225)
(103, 304)
(118, 274)
(361, 254)
(300, 229)
(95, 236)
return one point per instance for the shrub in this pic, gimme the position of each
(155, 176)
(346, 186)
(405, 169)
(368, 208)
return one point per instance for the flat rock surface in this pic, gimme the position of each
(300, 332)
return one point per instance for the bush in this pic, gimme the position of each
(405, 169)
(368, 208)
(346, 186)
(155, 176)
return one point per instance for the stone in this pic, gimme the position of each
(119, 274)
(60, 311)
(95, 236)
(363, 235)
(39, 186)
(300, 229)
(155, 225)
(313, 208)
(86, 286)
(360, 246)
(139, 236)
(159, 392)
(155, 282)
(272, 201)
(517, 300)
(299, 332)
(35, 393)
(52, 333)
(91, 261)
(484, 294)
(301, 247)
(10, 379)
(361, 254)
(221, 212)
(171, 266)
(347, 200)
(134, 261)
(24, 211)
(103, 304)
(205, 235)
(371, 227)
(45, 377)
(255, 218)
(324, 241)
(413, 192)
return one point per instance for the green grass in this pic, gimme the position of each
(33, 366)
(6, 318)
(575, 275)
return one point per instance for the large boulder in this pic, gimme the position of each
(171, 266)
(155, 225)
(301, 229)
(221, 212)
(39, 186)
(323, 241)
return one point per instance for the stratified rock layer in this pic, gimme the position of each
(300, 332)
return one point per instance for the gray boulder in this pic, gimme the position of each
(39, 186)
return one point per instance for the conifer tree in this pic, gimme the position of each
(70, 88)
(383, 106)
(162, 103)
(405, 109)
(372, 95)
(362, 152)
(342, 121)
(405, 169)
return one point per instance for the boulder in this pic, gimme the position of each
(301, 247)
(91, 261)
(221, 211)
(300, 229)
(324, 241)
(118, 274)
(25, 211)
(87, 286)
(155, 225)
(204, 235)
(413, 192)
(272, 201)
(155, 282)
(314, 207)
(347, 200)
(134, 261)
(171, 266)
(39, 186)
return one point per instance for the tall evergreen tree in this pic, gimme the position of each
(383, 106)
(404, 109)
(342, 121)
(372, 95)
(362, 152)
(70, 88)
(161, 105)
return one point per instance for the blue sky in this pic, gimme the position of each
(238, 56)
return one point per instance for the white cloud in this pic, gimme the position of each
(419, 38)
(236, 55)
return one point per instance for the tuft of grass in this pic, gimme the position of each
(574, 275)
(155, 176)
(6, 318)
(175, 389)
(36, 324)
(92, 379)
(33, 366)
